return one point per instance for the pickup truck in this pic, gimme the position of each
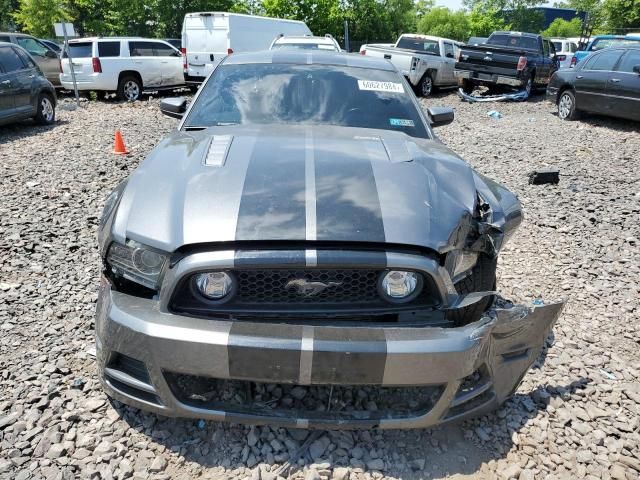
(523, 61)
(424, 60)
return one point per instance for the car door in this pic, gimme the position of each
(448, 64)
(16, 82)
(170, 64)
(592, 78)
(623, 87)
(7, 85)
(47, 59)
(145, 62)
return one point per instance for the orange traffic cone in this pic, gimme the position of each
(118, 146)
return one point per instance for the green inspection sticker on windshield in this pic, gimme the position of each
(401, 122)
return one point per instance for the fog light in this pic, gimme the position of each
(398, 285)
(214, 285)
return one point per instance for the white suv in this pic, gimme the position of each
(126, 66)
(306, 42)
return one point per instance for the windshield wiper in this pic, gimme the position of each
(194, 128)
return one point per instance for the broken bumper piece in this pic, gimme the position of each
(513, 97)
(314, 376)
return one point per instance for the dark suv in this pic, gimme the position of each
(24, 90)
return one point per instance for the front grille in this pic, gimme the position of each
(342, 293)
(271, 286)
(314, 402)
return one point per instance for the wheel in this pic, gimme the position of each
(425, 86)
(46, 113)
(481, 279)
(129, 88)
(567, 106)
(467, 86)
(528, 87)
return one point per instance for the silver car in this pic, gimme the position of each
(46, 58)
(303, 236)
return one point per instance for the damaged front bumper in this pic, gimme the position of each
(247, 372)
(503, 97)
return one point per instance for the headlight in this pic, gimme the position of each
(214, 285)
(137, 263)
(400, 286)
(459, 262)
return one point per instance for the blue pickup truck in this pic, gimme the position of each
(605, 41)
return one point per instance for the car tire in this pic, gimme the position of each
(467, 86)
(567, 106)
(481, 279)
(129, 88)
(425, 86)
(529, 87)
(46, 112)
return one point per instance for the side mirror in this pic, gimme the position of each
(440, 116)
(636, 69)
(174, 107)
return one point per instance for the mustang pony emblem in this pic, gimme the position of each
(308, 288)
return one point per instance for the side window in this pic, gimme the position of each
(630, 60)
(141, 49)
(10, 60)
(573, 47)
(32, 46)
(5, 39)
(448, 50)
(162, 50)
(26, 59)
(552, 48)
(545, 47)
(108, 49)
(603, 61)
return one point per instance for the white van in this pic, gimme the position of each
(208, 37)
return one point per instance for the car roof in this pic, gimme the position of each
(93, 39)
(306, 39)
(17, 34)
(521, 34)
(313, 57)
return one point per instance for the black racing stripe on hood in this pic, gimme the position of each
(273, 198)
(336, 258)
(267, 258)
(347, 202)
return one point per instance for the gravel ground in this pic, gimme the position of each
(575, 416)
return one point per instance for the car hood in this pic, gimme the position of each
(319, 183)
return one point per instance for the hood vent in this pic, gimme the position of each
(218, 150)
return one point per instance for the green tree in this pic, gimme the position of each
(561, 28)
(442, 22)
(38, 16)
(621, 15)
(483, 23)
(401, 16)
(7, 8)
(520, 15)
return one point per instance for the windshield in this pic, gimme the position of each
(266, 94)
(514, 41)
(304, 46)
(600, 43)
(419, 44)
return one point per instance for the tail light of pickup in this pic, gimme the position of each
(184, 58)
(363, 52)
(229, 51)
(562, 58)
(522, 64)
(97, 66)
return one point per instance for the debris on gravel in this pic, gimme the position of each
(575, 415)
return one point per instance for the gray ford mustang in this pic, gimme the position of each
(303, 246)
